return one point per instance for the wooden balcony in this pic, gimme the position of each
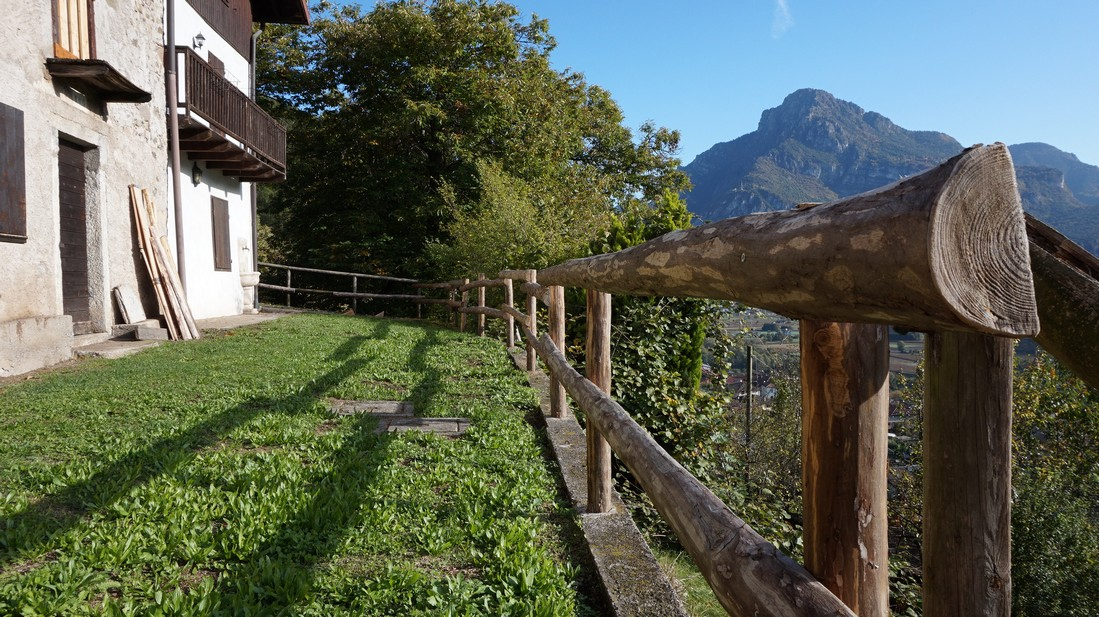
(221, 126)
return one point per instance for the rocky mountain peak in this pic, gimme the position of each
(816, 117)
(816, 147)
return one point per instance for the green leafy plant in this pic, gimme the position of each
(210, 478)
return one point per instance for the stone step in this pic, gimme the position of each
(398, 416)
(148, 330)
(112, 349)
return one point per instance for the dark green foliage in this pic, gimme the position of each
(657, 342)
(412, 123)
(1055, 515)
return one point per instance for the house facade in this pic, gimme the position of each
(85, 114)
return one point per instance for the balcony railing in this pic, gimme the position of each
(261, 151)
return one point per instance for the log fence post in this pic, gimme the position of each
(532, 313)
(480, 305)
(749, 384)
(452, 295)
(465, 302)
(967, 475)
(354, 290)
(558, 405)
(288, 287)
(845, 418)
(509, 322)
(598, 352)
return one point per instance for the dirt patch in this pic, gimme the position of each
(23, 567)
(326, 427)
(436, 564)
(193, 577)
(386, 384)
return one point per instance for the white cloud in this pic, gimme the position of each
(783, 20)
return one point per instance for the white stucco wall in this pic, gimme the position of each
(189, 24)
(128, 148)
(211, 293)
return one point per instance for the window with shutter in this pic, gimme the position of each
(73, 29)
(222, 260)
(216, 64)
(13, 180)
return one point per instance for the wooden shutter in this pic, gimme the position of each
(73, 29)
(216, 64)
(13, 179)
(222, 259)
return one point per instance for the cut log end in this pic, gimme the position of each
(978, 245)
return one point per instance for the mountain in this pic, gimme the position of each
(815, 147)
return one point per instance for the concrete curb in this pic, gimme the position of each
(634, 582)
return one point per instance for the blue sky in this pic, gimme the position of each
(981, 71)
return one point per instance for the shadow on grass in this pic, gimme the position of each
(32, 530)
(282, 571)
(424, 394)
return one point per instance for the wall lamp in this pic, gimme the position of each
(196, 174)
(199, 41)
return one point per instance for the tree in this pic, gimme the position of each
(421, 123)
(1055, 476)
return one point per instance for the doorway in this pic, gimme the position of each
(73, 201)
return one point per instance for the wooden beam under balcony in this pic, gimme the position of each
(266, 176)
(238, 164)
(219, 152)
(222, 152)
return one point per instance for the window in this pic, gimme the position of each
(216, 64)
(73, 29)
(13, 181)
(220, 208)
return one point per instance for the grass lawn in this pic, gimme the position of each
(209, 478)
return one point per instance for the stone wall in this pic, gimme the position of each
(126, 145)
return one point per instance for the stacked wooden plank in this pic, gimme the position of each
(155, 251)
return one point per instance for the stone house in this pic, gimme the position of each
(84, 114)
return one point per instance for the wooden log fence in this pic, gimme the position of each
(355, 295)
(1066, 285)
(914, 254)
(948, 252)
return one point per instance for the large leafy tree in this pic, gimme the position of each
(419, 123)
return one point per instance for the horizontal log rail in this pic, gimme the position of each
(443, 285)
(948, 252)
(518, 275)
(355, 295)
(375, 277)
(748, 574)
(482, 310)
(1066, 284)
(536, 290)
(917, 254)
(484, 283)
(518, 316)
(349, 294)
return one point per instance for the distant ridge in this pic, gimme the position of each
(815, 147)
